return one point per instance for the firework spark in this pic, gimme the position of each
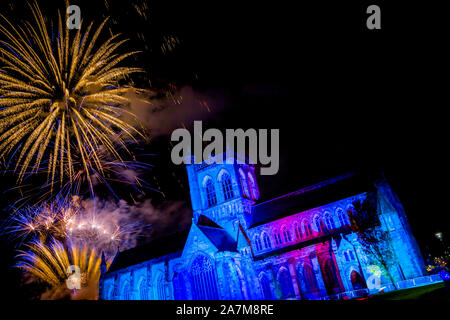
(75, 222)
(50, 262)
(61, 96)
(71, 233)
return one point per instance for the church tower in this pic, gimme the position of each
(223, 192)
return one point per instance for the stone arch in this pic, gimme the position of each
(286, 233)
(317, 223)
(285, 281)
(277, 236)
(356, 280)
(306, 227)
(221, 173)
(125, 292)
(331, 276)
(257, 242)
(109, 292)
(203, 278)
(329, 220)
(309, 286)
(244, 183)
(342, 217)
(266, 288)
(209, 191)
(160, 287)
(266, 240)
(253, 186)
(298, 231)
(226, 182)
(179, 286)
(143, 289)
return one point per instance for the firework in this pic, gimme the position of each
(61, 98)
(51, 262)
(75, 222)
(65, 233)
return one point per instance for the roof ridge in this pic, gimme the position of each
(309, 188)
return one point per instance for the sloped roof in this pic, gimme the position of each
(219, 237)
(160, 247)
(311, 197)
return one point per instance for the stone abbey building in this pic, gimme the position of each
(296, 246)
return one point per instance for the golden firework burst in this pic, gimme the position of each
(51, 262)
(61, 97)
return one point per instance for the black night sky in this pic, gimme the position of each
(344, 98)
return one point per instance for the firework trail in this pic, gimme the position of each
(73, 232)
(51, 262)
(61, 98)
(82, 223)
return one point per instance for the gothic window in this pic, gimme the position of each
(253, 188)
(204, 279)
(179, 287)
(298, 231)
(258, 243)
(287, 289)
(277, 237)
(109, 292)
(265, 286)
(307, 228)
(244, 184)
(342, 217)
(143, 290)
(329, 221)
(310, 278)
(211, 193)
(286, 235)
(318, 224)
(267, 242)
(331, 276)
(352, 257)
(227, 186)
(126, 291)
(346, 256)
(161, 291)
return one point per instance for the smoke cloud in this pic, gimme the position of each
(163, 115)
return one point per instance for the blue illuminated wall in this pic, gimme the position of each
(310, 254)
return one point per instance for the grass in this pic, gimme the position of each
(430, 292)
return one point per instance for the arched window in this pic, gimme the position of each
(346, 256)
(310, 278)
(287, 289)
(329, 221)
(306, 228)
(277, 237)
(203, 279)
(179, 287)
(211, 193)
(161, 291)
(267, 242)
(109, 293)
(352, 257)
(342, 217)
(298, 231)
(244, 184)
(143, 290)
(253, 188)
(258, 243)
(227, 186)
(318, 224)
(332, 281)
(265, 286)
(126, 291)
(286, 235)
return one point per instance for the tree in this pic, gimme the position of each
(365, 222)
